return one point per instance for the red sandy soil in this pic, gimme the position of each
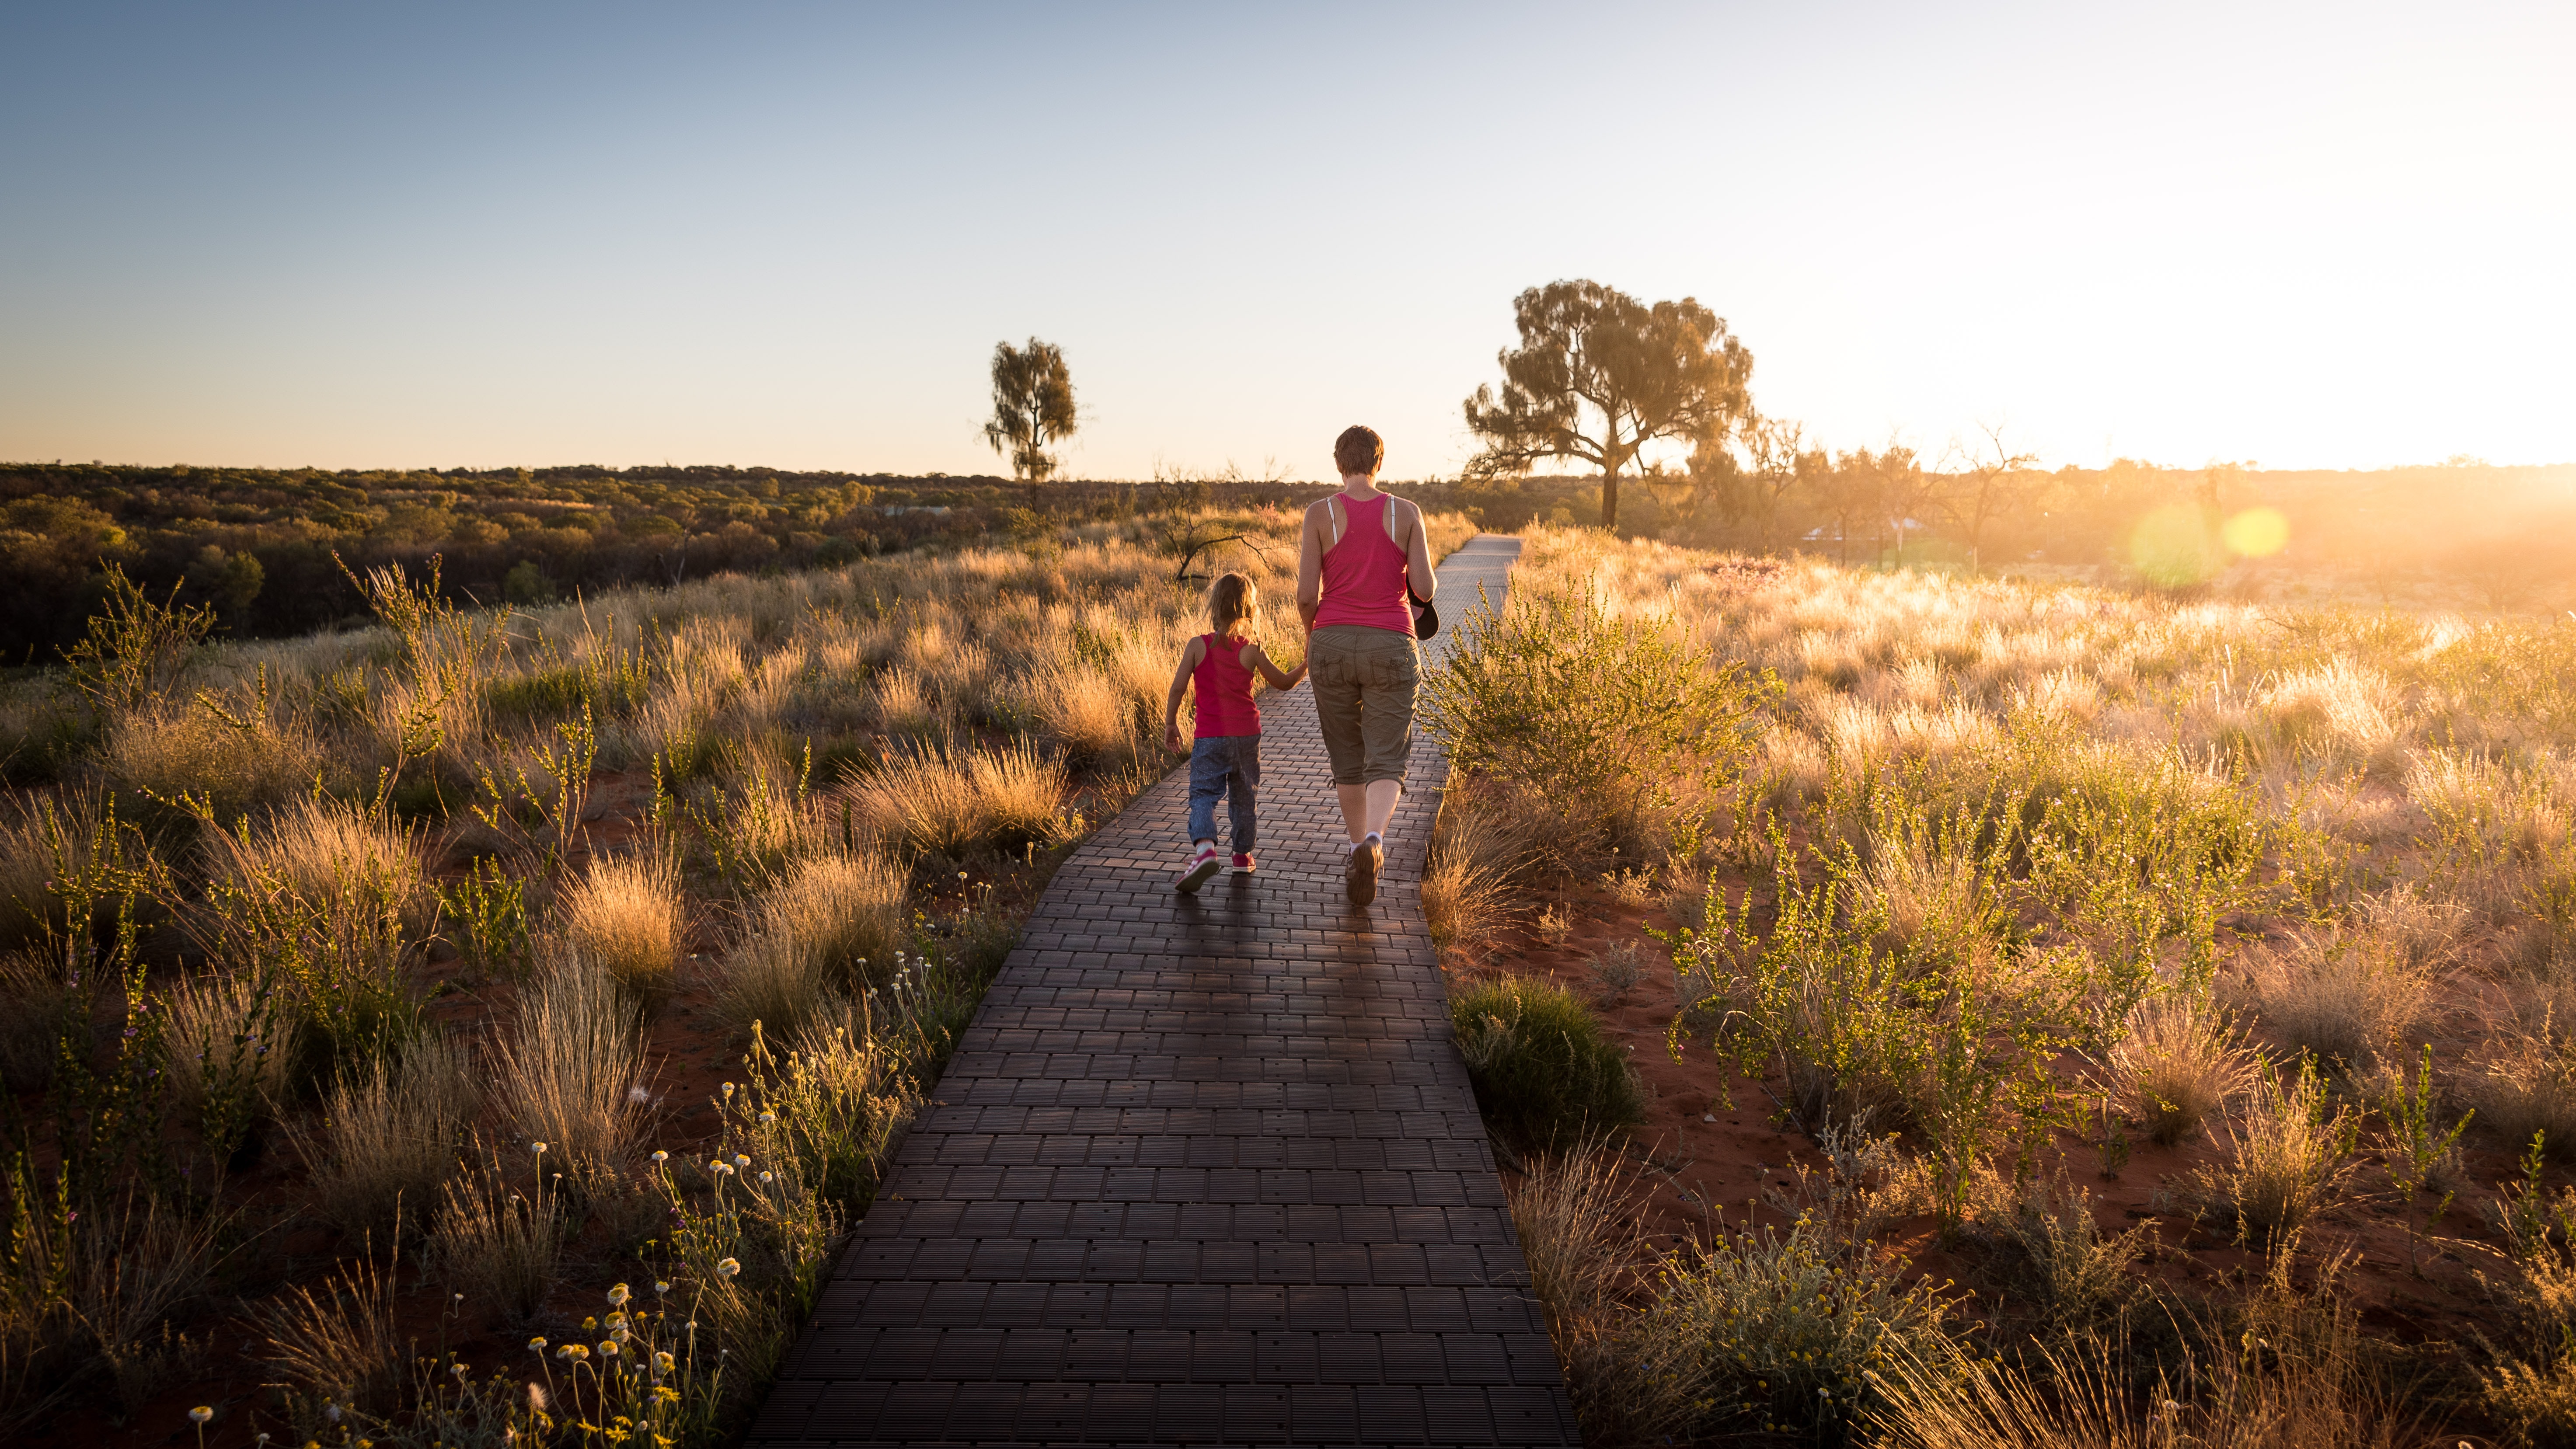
(1709, 1149)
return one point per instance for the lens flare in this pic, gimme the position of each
(2257, 533)
(2172, 547)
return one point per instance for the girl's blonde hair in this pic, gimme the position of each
(1231, 602)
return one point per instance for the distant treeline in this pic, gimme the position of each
(2500, 536)
(258, 544)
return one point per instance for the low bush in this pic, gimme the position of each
(2287, 1160)
(1618, 721)
(1543, 1072)
(1778, 1333)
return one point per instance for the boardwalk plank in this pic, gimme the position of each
(1204, 1170)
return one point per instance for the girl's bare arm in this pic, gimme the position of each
(1279, 678)
(1190, 658)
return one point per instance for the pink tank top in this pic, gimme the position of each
(1364, 573)
(1224, 690)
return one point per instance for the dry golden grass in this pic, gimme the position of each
(499, 1236)
(336, 1347)
(2348, 996)
(33, 999)
(623, 914)
(2177, 1067)
(572, 1075)
(27, 864)
(315, 852)
(236, 772)
(821, 934)
(223, 1033)
(951, 802)
(386, 1136)
(2316, 1394)
(2288, 1159)
(1481, 851)
(2526, 1083)
(1087, 711)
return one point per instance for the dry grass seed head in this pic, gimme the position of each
(571, 1073)
(625, 915)
(495, 1243)
(386, 1135)
(2177, 1067)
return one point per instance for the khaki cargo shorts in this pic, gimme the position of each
(1364, 683)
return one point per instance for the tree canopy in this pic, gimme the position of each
(1032, 407)
(1599, 375)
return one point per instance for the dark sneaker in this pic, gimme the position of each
(1243, 865)
(1202, 865)
(1359, 875)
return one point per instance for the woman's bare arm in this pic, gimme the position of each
(1310, 564)
(1417, 565)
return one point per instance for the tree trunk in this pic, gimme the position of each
(1610, 499)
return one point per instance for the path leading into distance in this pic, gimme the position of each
(1204, 1170)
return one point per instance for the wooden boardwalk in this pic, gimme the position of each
(1204, 1170)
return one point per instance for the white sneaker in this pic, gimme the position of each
(1202, 865)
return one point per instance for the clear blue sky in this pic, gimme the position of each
(2328, 235)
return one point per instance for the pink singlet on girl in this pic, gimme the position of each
(1224, 687)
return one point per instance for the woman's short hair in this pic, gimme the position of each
(1359, 450)
(1231, 602)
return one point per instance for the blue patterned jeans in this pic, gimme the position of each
(1228, 766)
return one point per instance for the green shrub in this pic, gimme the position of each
(1618, 720)
(1543, 1072)
(1777, 1333)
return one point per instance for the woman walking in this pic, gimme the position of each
(1361, 554)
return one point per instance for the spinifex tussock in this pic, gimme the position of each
(2287, 1160)
(954, 801)
(572, 1072)
(500, 1232)
(2177, 1066)
(387, 1134)
(831, 928)
(623, 915)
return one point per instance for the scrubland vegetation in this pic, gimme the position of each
(258, 545)
(2167, 997)
(480, 1026)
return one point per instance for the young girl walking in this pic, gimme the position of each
(1225, 759)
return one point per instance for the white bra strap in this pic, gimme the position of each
(1333, 513)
